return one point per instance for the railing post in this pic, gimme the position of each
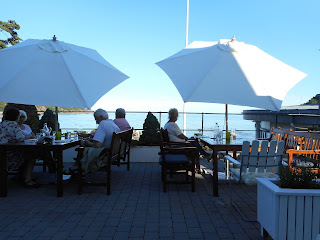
(202, 124)
(160, 118)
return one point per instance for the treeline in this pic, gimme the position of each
(44, 108)
(314, 100)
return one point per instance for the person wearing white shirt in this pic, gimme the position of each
(105, 130)
(175, 134)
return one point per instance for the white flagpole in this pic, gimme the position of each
(184, 103)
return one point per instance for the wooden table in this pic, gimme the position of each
(56, 147)
(216, 147)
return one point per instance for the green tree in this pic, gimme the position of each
(8, 29)
(149, 135)
(32, 114)
(314, 100)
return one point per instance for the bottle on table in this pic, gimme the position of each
(216, 131)
(46, 130)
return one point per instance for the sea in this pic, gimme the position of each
(244, 129)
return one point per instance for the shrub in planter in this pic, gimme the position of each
(50, 118)
(149, 135)
(298, 178)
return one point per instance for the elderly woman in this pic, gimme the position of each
(25, 129)
(11, 133)
(175, 134)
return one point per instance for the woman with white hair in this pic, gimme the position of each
(25, 129)
(175, 134)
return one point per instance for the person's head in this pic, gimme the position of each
(120, 113)
(23, 116)
(12, 114)
(100, 115)
(173, 114)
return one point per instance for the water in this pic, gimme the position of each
(194, 123)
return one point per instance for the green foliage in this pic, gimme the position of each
(314, 100)
(50, 118)
(8, 28)
(32, 114)
(301, 178)
(149, 135)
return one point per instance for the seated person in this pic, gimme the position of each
(121, 121)
(105, 130)
(175, 134)
(92, 159)
(11, 133)
(25, 129)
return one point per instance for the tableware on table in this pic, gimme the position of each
(58, 136)
(54, 134)
(38, 135)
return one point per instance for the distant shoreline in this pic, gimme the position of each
(65, 112)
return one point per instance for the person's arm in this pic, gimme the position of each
(95, 144)
(182, 136)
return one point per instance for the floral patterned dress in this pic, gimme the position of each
(11, 133)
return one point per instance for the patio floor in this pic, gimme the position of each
(136, 209)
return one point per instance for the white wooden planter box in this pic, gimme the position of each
(144, 154)
(288, 213)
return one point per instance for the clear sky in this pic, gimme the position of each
(134, 34)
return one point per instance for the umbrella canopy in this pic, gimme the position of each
(55, 73)
(230, 72)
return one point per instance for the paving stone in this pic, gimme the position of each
(108, 231)
(137, 232)
(136, 209)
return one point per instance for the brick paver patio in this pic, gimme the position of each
(136, 209)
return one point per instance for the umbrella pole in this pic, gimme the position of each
(56, 122)
(184, 119)
(227, 122)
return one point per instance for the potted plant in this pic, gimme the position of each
(147, 147)
(289, 207)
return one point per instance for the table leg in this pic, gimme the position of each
(215, 174)
(59, 156)
(3, 173)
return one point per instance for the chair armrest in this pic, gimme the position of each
(230, 159)
(180, 149)
(293, 151)
(78, 149)
(178, 143)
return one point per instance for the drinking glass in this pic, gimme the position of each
(38, 135)
(54, 134)
(75, 134)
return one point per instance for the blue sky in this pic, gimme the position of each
(134, 34)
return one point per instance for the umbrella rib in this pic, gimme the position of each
(102, 63)
(75, 83)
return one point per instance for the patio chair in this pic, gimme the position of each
(257, 161)
(117, 154)
(189, 143)
(177, 160)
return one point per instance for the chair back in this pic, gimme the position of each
(164, 135)
(264, 158)
(115, 148)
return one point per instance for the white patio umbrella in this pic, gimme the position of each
(55, 73)
(230, 72)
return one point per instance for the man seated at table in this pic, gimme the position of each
(93, 159)
(121, 121)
